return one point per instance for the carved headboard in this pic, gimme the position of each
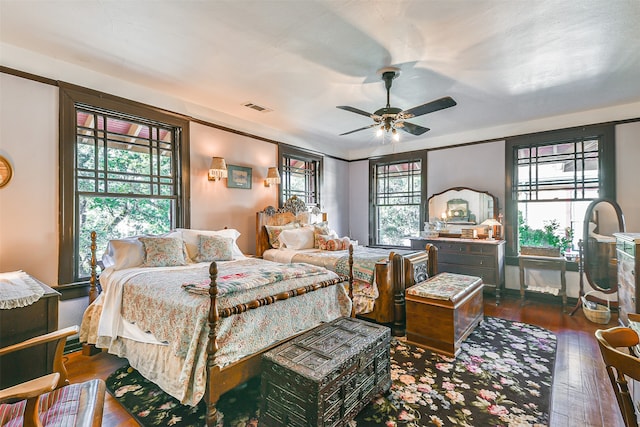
(293, 210)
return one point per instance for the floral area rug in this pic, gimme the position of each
(501, 377)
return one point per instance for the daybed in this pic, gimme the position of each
(380, 275)
(198, 330)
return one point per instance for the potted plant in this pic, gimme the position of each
(548, 241)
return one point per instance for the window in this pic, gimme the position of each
(301, 174)
(122, 174)
(552, 178)
(398, 190)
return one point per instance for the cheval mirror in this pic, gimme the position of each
(598, 263)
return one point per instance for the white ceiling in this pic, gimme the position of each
(512, 66)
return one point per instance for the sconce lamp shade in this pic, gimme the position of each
(218, 169)
(273, 177)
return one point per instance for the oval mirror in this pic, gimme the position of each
(602, 218)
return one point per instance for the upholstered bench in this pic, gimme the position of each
(443, 310)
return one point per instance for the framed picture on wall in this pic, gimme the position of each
(238, 177)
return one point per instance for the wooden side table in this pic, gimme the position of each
(544, 263)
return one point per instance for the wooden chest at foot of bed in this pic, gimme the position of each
(443, 310)
(325, 376)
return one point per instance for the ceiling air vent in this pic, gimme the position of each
(257, 107)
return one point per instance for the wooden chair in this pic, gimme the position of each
(621, 364)
(50, 400)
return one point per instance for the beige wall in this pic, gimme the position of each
(213, 205)
(29, 203)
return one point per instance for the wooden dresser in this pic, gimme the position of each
(628, 255)
(473, 257)
(20, 324)
(325, 376)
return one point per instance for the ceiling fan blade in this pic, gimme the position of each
(357, 130)
(411, 128)
(429, 107)
(354, 110)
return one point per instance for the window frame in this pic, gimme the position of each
(391, 159)
(606, 163)
(69, 96)
(287, 151)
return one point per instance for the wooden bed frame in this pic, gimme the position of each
(223, 379)
(393, 276)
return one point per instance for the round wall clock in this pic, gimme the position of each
(6, 172)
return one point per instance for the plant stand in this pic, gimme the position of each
(544, 263)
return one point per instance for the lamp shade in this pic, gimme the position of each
(218, 169)
(273, 177)
(490, 222)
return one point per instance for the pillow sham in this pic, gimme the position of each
(128, 252)
(123, 253)
(163, 251)
(273, 231)
(297, 238)
(192, 240)
(328, 242)
(215, 248)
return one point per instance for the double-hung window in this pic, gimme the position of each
(398, 191)
(552, 177)
(122, 175)
(301, 174)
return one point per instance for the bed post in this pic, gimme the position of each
(212, 344)
(353, 307)
(399, 303)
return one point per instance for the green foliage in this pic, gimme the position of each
(397, 223)
(548, 236)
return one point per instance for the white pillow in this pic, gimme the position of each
(297, 238)
(192, 240)
(128, 252)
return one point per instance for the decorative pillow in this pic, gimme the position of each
(163, 251)
(328, 243)
(320, 229)
(128, 252)
(273, 231)
(297, 238)
(192, 240)
(215, 248)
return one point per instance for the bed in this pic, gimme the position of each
(378, 296)
(191, 328)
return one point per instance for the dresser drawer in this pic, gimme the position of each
(489, 275)
(484, 261)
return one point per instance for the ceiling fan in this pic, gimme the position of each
(390, 118)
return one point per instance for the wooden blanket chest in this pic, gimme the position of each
(325, 376)
(443, 310)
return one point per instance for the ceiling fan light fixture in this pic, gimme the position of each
(396, 135)
(380, 131)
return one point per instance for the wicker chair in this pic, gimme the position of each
(50, 400)
(620, 364)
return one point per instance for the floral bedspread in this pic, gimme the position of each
(237, 278)
(365, 290)
(155, 301)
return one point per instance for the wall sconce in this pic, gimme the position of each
(218, 169)
(273, 177)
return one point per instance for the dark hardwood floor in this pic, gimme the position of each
(581, 395)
